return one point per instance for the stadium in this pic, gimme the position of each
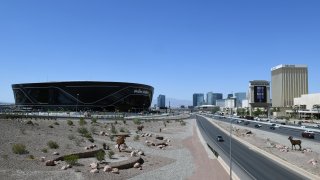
(84, 95)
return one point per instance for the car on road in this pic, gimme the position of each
(308, 134)
(274, 126)
(220, 139)
(239, 121)
(258, 126)
(246, 123)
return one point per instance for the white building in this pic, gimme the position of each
(230, 103)
(245, 103)
(221, 103)
(307, 100)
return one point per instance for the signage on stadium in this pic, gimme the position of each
(140, 91)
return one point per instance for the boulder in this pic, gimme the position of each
(102, 133)
(159, 137)
(141, 153)
(168, 140)
(42, 159)
(86, 148)
(137, 165)
(55, 153)
(50, 163)
(107, 168)
(64, 168)
(94, 165)
(115, 170)
(69, 166)
(94, 171)
(133, 154)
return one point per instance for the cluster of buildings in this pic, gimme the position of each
(286, 95)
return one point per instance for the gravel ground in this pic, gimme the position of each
(35, 137)
(183, 166)
(268, 140)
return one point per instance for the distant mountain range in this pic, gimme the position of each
(174, 102)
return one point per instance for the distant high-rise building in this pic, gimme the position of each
(230, 96)
(221, 103)
(198, 99)
(240, 96)
(288, 82)
(161, 101)
(213, 97)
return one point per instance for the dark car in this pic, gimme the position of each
(220, 138)
(308, 134)
(272, 127)
(283, 123)
(257, 126)
(246, 123)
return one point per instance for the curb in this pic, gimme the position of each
(270, 156)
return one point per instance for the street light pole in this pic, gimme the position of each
(230, 145)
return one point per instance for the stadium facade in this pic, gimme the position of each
(84, 95)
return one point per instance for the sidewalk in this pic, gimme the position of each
(205, 168)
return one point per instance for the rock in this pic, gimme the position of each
(141, 153)
(168, 140)
(133, 154)
(102, 133)
(94, 171)
(107, 168)
(159, 137)
(140, 168)
(147, 142)
(77, 170)
(50, 163)
(69, 166)
(42, 159)
(136, 165)
(94, 165)
(131, 148)
(115, 170)
(64, 168)
(142, 135)
(86, 148)
(116, 146)
(55, 153)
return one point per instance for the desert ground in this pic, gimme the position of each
(165, 147)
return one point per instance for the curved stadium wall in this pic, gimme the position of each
(84, 95)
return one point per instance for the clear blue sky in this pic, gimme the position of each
(178, 46)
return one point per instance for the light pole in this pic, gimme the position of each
(230, 143)
(77, 102)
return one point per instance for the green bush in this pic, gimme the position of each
(122, 129)
(19, 149)
(71, 159)
(53, 144)
(110, 154)
(137, 121)
(91, 140)
(83, 131)
(93, 120)
(100, 155)
(44, 150)
(50, 126)
(82, 122)
(70, 123)
(136, 138)
(31, 157)
(56, 123)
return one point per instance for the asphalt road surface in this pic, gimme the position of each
(296, 133)
(256, 165)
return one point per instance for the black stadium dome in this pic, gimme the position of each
(84, 95)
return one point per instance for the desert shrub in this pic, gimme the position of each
(110, 154)
(137, 121)
(122, 129)
(100, 155)
(116, 122)
(29, 122)
(124, 121)
(71, 137)
(113, 129)
(53, 144)
(182, 123)
(50, 126)
(83, 131)
(91, 140)
(71, 159)
(82, 122)
(56, 123)
(111, 138)
(136, 138)
(70, 123)
(19, 149)
(93, 120)
(44, 150)
(31, 157)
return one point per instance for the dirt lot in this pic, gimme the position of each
(36, 133)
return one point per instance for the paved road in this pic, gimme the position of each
(282, 130)
(258, 166)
